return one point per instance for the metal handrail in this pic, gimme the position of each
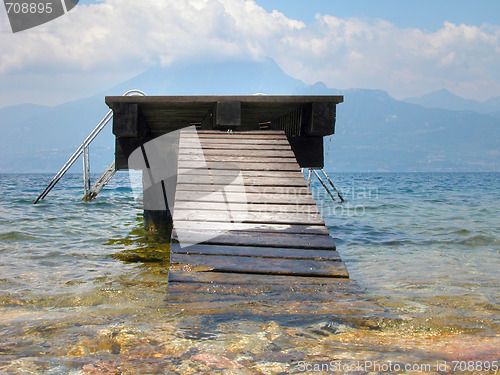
(82, 147)
(313, 170)
(333, 186)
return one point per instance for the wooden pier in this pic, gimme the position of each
(282, 232)
(243, 212)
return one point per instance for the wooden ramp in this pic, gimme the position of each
(243, 208)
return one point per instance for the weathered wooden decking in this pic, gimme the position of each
(265, 222)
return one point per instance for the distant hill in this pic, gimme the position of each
(493, 102)
(446, 100)
(20, 113)
(495, 114)
(40, 139)
(225, 78)
(409, 138)
(374, 131)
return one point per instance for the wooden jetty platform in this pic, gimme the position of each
(243, 212)
(281, 231)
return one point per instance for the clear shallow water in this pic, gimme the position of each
(431, 240)
(83, 290)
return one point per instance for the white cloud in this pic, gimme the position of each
(145, 32)
(118, 38)
(377, 54)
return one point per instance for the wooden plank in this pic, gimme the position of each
(217, 228)
(273, 132)
(289, 191)
(235, 135)
(231, 172)
(262, 252)
(176, 276)
(244, 166)
(240, 140)
(224, 142)
(220, 182)
(265, 134)
(253, 181)
(291, 236)
(233, 146)
(248, 217)
(251, 207)
(239, 159)
(268, 266)
(220, 213)
(248, 153)
(231, 197)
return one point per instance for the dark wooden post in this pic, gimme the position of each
(159, 182)
(227, 115)
(137, 148)
(157, 221)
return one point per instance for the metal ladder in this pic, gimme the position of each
(83, 149)
(313, 170)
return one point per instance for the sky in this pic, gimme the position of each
(407, 48)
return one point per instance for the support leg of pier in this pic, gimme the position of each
(159, 180)
(157, 217)
(158, 222)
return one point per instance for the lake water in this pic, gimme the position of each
(84, 290)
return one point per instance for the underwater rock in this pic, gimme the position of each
(216, 361)
(101, 368)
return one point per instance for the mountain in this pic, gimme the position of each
(41, 139)
(21, 112)
(446, 100)
(224, 78)
(374, 131)
(493, 102)
(495, 114)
